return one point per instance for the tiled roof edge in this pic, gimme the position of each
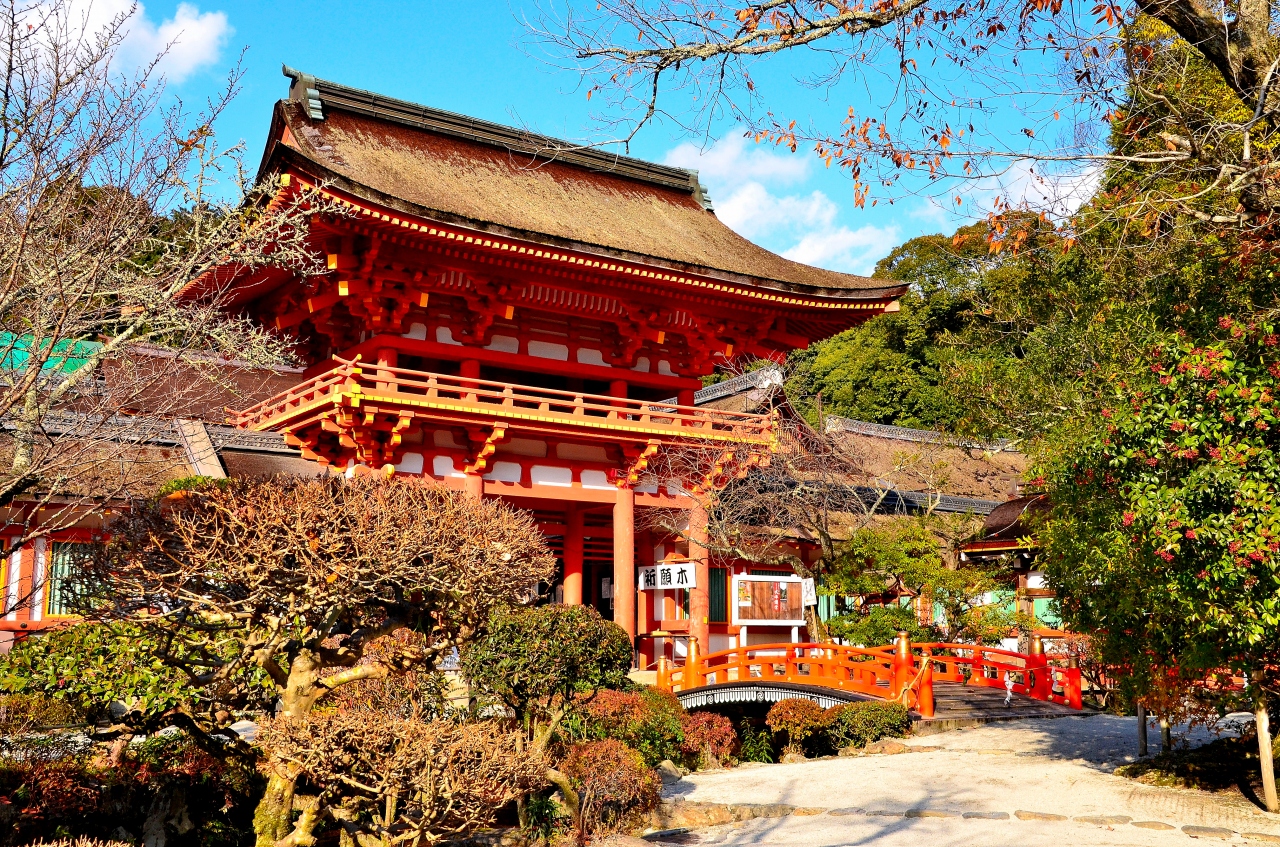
(919, 436)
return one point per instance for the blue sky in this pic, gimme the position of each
(479, 62)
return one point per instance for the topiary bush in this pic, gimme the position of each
(797, 719)
(709, 739)
(615, 786)
(647, 720)
(860, 724)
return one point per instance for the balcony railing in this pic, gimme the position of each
(355, 392)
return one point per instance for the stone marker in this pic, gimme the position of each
(669, 772)
(929, 813)
(1207, 831)
(1262, 836)
(1104, 820)
(1038, 816)
(807, 811)
(888, 747)
(1152, 825)
(846, 812)
(987, 816)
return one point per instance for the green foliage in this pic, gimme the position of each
(88, 666)
(860, 724)
(190, 483)
(1164, 540)
(21, 713)
(877, 625)
(904, 558)
(756, 744)
(797, 719)
(647, 720)
(546, 819)
(892, 369)
(535, 660)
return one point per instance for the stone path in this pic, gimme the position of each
(1017, 783)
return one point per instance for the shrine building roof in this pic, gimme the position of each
(506, 181)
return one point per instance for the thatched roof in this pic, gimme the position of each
(461, 170)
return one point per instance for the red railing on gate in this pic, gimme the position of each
(901, 671)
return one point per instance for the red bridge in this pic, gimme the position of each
(934, 680)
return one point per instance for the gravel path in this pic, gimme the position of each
(1050, 771)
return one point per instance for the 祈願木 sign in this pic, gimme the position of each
(670, 575)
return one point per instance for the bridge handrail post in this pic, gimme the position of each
(1071, 685)
(976, 669)
(693, 676)
(663, 682)
(901, 665)
(1039, 662)
(924, 696)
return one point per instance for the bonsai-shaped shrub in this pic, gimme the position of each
(536, 661)
(280, 586)
(860, 724)
(389, 780)
(797, 718)
(648, 721)
(709, 738)
(614, 786)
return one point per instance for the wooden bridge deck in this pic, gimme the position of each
(957, 705)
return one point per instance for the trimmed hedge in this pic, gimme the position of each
(860, 724)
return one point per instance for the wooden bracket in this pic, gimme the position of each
(637, 462)
(486, 448)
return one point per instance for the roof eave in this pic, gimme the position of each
(281, 157)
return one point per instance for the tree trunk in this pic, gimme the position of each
(1265, 758)
(273, 819)
(1142, 730)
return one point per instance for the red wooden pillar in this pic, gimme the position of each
(469, 369)
(685, 397)
(699, 595)
(624, 561)
(901, 664)
(573, 556)
(473, 486)
(387, 358)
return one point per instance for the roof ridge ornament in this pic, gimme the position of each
(304, 90)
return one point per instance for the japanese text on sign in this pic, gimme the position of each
(661, 577)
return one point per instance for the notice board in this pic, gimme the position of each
(768, 600)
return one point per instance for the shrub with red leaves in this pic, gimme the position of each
(709, 738)
(796, 717)
(649, 721)
(613, 783)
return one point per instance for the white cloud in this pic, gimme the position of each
(730, 162)
(844, 249)
(190, 41)
(804, 227)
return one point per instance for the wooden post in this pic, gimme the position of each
(1071, 688)
(693, 677)
(1039, 666)
(902, 664)
(473, 486)
(925, 699)
(700, 594)
(573, 556)
(387, 358)
(1166, 738)
(1142, 730)
(663, 682)
(1263, 724)
(624, 562)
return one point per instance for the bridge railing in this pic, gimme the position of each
(901, 671)
(1035, 674)
(875, 671)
